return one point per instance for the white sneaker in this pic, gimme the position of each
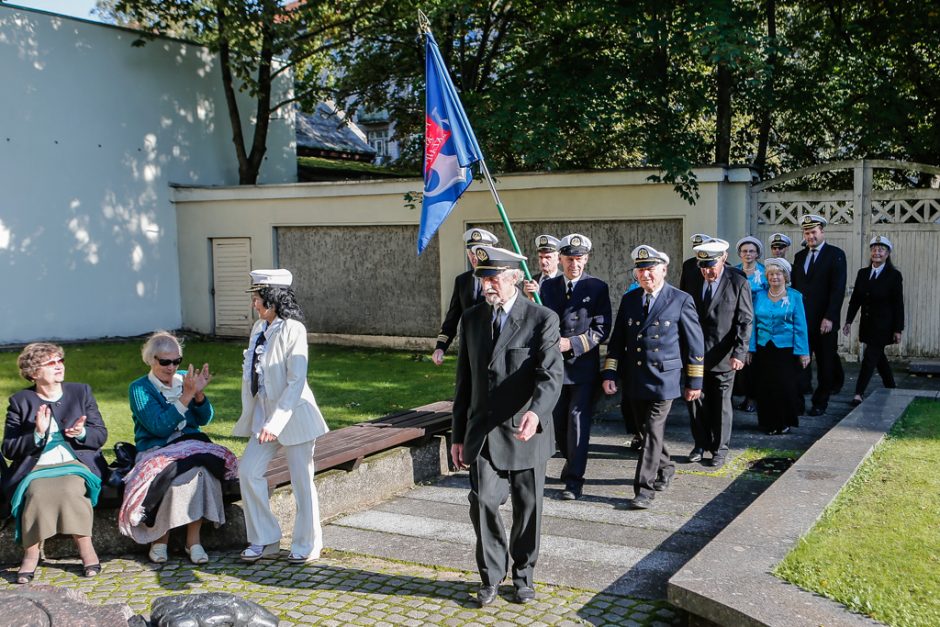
(157, 553)
(197, 554)
(256, 552)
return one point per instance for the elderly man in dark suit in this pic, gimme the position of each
(547, 247)
(509, 373)
(819, 274)
(466, 294)
(725, 312)
(582, 303)
(656, 330)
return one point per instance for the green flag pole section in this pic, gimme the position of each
(505, 218)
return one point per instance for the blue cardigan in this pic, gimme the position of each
(155, 419)
(784, 323)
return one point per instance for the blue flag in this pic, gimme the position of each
(450, 147)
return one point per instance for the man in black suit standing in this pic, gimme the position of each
(582, 303)
(547, 247)
(466, 294)
(725, 312)
(655, 334)
(509, 373)
(690, 265)
(819, 274)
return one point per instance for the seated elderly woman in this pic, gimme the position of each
(53, 436)
(176, 479)
(779, 348)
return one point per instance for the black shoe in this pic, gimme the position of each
(717, 461)
(636, 444)
(486, 595)
(25, 577)
(525, 594)
(569, 495)
(641, 502)
(855, 402)
(663, 482)
(816, 411)
(695, 455)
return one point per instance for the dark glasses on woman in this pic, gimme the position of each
(168, 362)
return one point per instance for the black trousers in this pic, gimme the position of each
(711, 414)
(489, 487)
(572, 417)
(825, 350)
(874, 358)
(654, 459)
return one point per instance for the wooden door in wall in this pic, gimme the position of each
(231, 265)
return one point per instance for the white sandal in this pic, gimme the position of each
(256, 552)
(157, 553)
(197, 554)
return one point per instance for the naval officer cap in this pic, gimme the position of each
(811, 221)
(479, 237)
(881, 240)
(270, 278)
(710, 254)
(491, 260)
(779, 239)
(574, 245)
(547, 244)
(646, 256)
(700, 238)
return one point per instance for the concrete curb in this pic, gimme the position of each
(378, 478)
(729, 582)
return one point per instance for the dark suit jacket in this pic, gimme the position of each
(647, 353)
(882, 305)
(690, 271)
(585, 320)
(726, 324)
(461, 299)
(19, 445)
(497, 385)
(823, 289)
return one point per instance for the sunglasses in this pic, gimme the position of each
(53, 362)
(168, 362)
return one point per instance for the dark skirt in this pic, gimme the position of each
(776, 373)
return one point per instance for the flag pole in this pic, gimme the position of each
(505, 219)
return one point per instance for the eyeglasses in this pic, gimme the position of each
(53, 362)
(167, 362)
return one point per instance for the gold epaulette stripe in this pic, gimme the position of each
(610, 364)
(442, 338)
(584, 343)
(694, 370)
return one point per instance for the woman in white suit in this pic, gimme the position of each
(278, 410)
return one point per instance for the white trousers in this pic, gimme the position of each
(261, 524)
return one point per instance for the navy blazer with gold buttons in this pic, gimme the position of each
(585, 320)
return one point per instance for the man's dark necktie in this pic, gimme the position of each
(874, 275)
(255, 356)
(646, 304)
(812, 260)
(568, 293)
(707, 298)
(497, 314)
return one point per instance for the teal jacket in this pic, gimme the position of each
(155, 419)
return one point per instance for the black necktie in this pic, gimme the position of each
(646, 303)
(874, 275)
(254, 363)
(812, 260)
(707, 298)
(568, 293)
(497, 313)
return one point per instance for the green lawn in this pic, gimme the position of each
(350, 385)
(876, 549)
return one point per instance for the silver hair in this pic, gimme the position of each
(160, 342)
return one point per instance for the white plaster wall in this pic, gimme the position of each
(92, 132)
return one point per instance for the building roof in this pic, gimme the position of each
(327, 129)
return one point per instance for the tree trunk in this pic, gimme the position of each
(231, 102)
(723, 115)
(763, 130)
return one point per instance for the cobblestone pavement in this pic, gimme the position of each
(345, 589)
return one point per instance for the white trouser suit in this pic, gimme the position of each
(285, 406)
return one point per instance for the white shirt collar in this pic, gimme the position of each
(170, 392)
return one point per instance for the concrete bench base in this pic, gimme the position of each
(377, 478)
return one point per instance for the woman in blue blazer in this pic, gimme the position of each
(779, 349)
